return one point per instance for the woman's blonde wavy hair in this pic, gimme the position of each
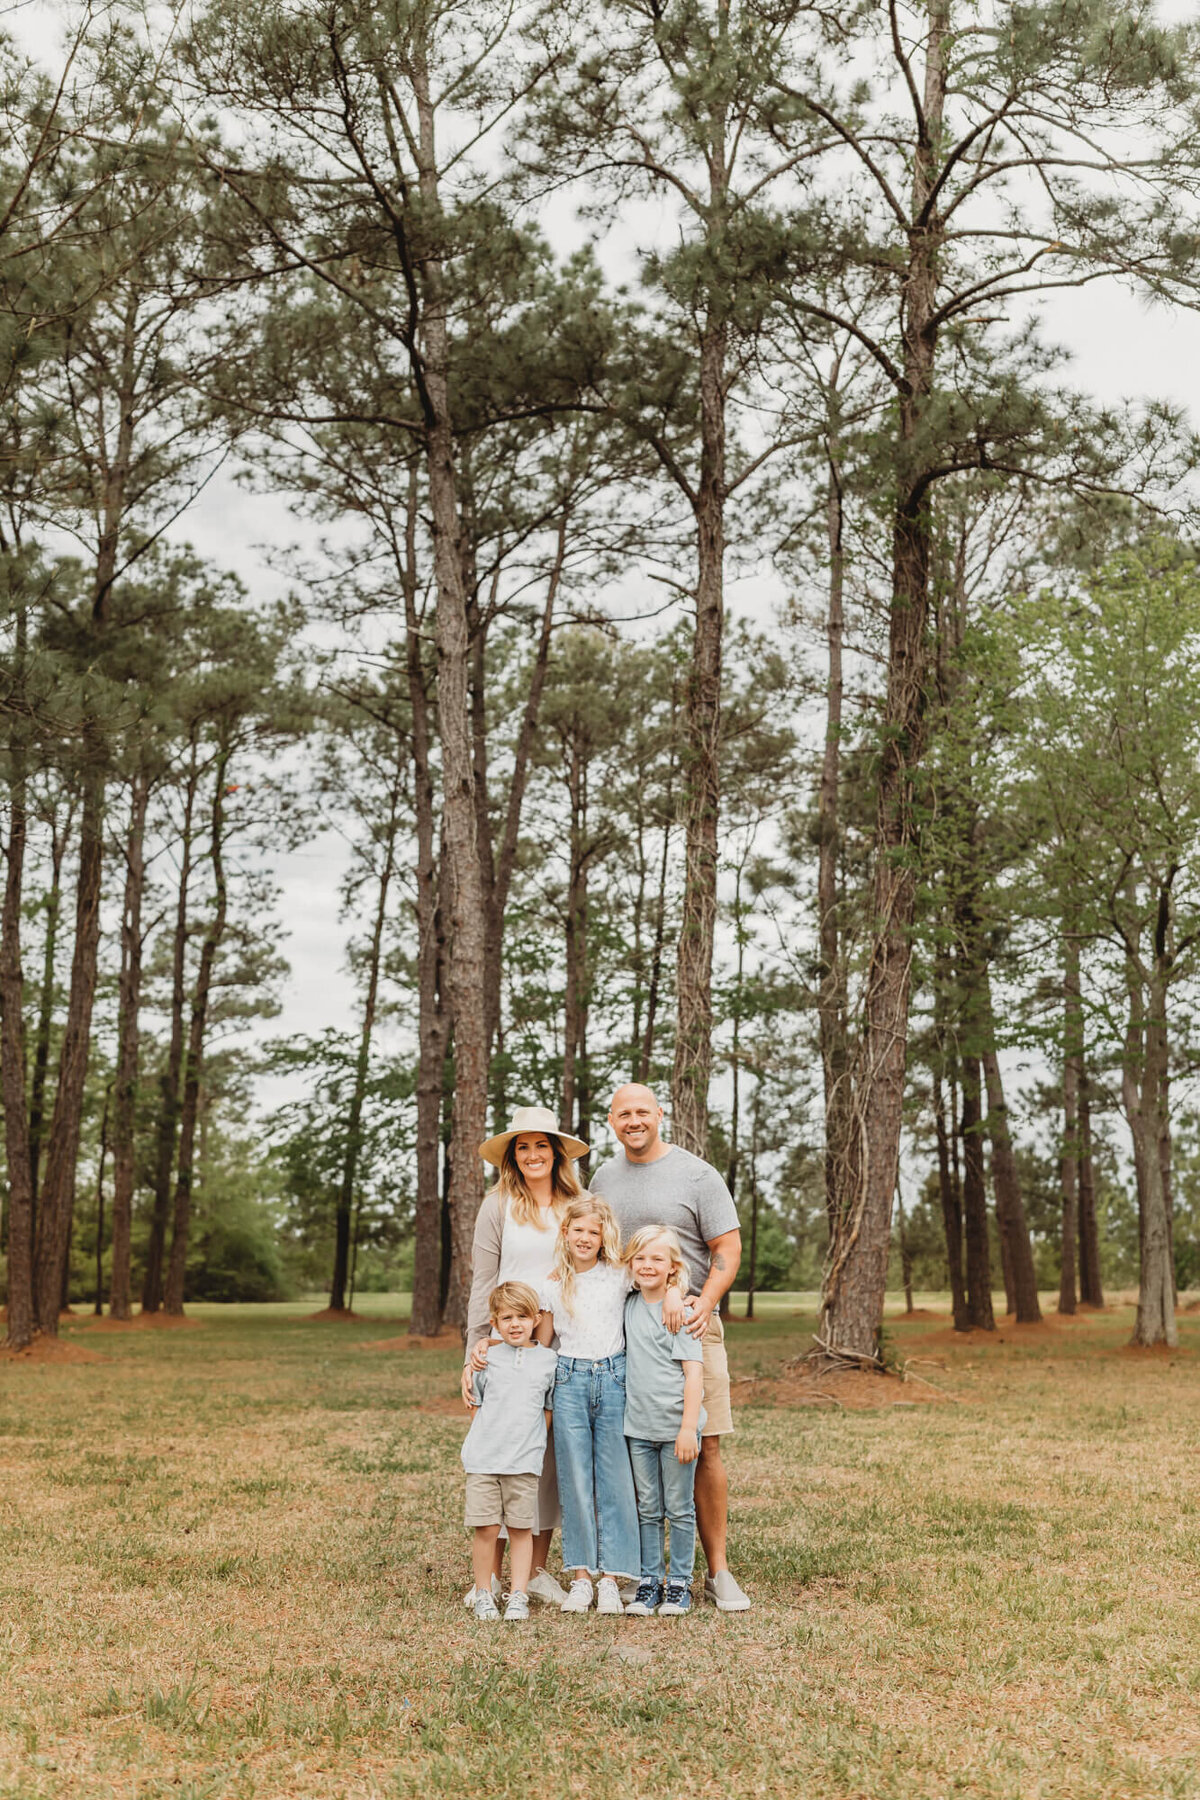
(512, 1187)
(585, 1206)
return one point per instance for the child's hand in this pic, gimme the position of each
(687, 1444)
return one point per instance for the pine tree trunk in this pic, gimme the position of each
(855, 1281)
(646, 1053)
(952, 1225)
(975, 1218)
(1143, 1100)
(345, 1203)
(57, 1199)
(1072, 1050)
(1011, 1207)
(12, 1028)
(831, 999)
(506, 861)
(575, 996)
(214, 932)
(59, 843)
(464, 899)
(172, 1072)
(123, 1147)
(428, 1292)
(98, 1302)
(1006, 1272)
(702, 727)
(1091, 1286)
(905, 1253)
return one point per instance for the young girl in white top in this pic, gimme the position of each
(584, 1303)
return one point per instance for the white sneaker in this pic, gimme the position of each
(469, 1596)
(517, 1608)
(579, 1600)
(608, 1597)
(486, 1608)
(546, 1590)
(725, 1594)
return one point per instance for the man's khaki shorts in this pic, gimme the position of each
(719, 1422)
(501, 1500)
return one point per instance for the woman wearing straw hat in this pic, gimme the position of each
(516, 1230)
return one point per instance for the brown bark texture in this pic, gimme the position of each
(1091, 1286)
(855, 1280)
(209, 948)
(57, 1199)
(20, 1317)
(464, 897)
(1010, 1203)
(345, 1201)
(951, 1203)
(432, 1018)
(831, 998)
(1072, 1054)
(129, 1002)
(172, 1071)
(1142, 1087)
(702, 729)
(59, 842)
(975, 1218)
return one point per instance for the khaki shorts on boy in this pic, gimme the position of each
(501, 1500)
(719, 1422)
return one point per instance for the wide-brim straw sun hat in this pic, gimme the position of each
(533, 1119)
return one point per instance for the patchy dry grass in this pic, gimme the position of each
(232, 1564)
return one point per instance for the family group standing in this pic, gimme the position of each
(615, 1432)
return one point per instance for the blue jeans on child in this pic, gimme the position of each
(665, 1490)
(595, 1484)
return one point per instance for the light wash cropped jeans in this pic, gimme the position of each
(595, 1482)
(666, 1489)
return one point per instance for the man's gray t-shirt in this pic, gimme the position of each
(654, 1359)
(508, 1430)
(679, 1190)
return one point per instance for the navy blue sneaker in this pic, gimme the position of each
(648, 1596)
(677, 1599)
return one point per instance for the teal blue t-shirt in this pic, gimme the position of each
(654, 1359)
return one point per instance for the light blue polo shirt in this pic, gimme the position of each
(654, 1359)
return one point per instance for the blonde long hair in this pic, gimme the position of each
(584, 1206)
(512, 1187)
(658, 1234)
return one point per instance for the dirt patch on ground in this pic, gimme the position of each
(337, 1315)
(1160, 1352)
(141, 1322)
(445, 1406)
(856, 1390)
(1009, 1332)
(50, 1350)
(445, 1340)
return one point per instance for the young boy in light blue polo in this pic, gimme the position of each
(505, 1447)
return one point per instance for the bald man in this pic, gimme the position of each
(652, 1183)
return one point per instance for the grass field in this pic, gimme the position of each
(232, 1560)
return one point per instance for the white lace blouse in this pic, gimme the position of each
(595, 1325)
